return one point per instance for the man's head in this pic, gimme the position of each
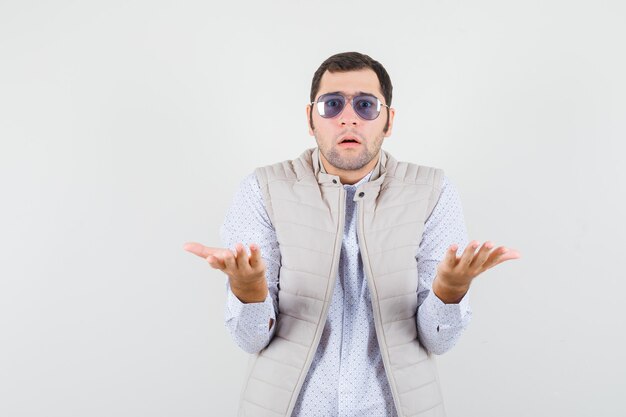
(353, 61)
(342, 83)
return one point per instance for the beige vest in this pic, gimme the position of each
(307, 208)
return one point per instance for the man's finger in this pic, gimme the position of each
(468, 253)
(242, 257)
(500, 255)
(509, 255)
(449, 259)
(199, 249)
(481, 257)
(229, 262)
(255, 256)
(215, 262)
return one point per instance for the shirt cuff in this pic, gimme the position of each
(254, 315)
(449, 316)
(237, 307)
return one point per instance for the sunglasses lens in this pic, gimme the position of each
(330, 105)
(367, 107)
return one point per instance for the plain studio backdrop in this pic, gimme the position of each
(126, 128)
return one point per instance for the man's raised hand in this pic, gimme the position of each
(455, 273)
(246, 274)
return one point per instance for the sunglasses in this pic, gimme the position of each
(366, 106)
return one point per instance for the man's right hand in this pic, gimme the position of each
(246, 274)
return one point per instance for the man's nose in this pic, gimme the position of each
(348, 115)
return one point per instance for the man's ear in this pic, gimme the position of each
(309, 116)
(392, 113)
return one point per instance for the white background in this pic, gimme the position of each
(126, 126)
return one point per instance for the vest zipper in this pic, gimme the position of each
(378, 326)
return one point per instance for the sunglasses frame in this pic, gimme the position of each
(348, 99)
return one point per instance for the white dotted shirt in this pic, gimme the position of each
(347, 377)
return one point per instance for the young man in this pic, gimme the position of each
(356, 274)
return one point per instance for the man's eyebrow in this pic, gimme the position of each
(358, 93)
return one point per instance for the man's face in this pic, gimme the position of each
(333, 135)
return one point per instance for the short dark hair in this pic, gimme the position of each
(353, 61)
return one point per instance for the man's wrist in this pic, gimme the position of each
(254, 292)
(449, 294)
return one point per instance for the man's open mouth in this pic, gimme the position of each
(349, 139)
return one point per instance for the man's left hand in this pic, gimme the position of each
(455, 273)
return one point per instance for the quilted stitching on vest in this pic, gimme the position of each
(307, 210)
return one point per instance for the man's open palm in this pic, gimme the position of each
(455, 273)
(246, 273)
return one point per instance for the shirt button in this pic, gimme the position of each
(361, 194)
(334, 181)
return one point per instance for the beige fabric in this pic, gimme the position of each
(307, 208)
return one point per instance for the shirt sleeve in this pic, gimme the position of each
(247, 222)
(439, 325)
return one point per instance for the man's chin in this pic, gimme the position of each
(353, 163)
